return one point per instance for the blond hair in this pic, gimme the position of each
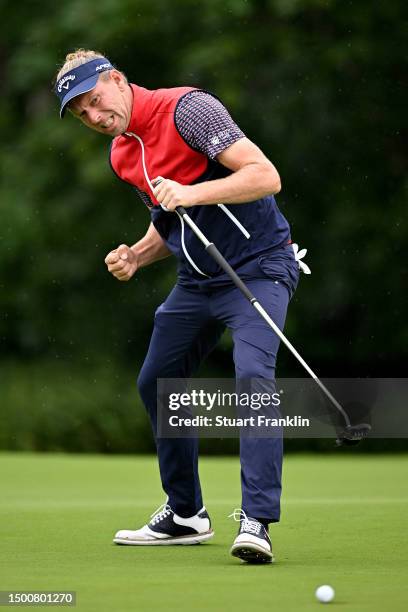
(78, 57)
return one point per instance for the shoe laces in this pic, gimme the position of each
(247, 524)
(161, 513)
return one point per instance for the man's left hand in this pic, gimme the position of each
(171, 194)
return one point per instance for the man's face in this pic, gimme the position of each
(107, 107)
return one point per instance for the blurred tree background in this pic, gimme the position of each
(317, 84)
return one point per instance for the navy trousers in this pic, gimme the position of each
(187, 327)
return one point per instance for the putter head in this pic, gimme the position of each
(353, 434)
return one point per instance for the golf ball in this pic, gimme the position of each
(325, 593)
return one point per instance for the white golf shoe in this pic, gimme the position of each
(252, 543)
(167, 528)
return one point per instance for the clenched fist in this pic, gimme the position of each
(172, 194)
(122, 262)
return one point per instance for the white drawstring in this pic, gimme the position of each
(235, 220)
(143, 158)
(298, 256)
(186, 253)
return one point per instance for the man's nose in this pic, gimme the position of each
(94, 116)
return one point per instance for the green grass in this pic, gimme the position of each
(343, 523)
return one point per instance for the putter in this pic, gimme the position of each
(350, 434)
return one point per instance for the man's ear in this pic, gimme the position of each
(117, 77)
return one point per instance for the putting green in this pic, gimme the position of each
(343, 523)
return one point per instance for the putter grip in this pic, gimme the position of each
(215, 254)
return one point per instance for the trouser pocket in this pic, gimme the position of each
(281, 267)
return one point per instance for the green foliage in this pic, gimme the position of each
(85, 405)
(63, 407)
(317, 84)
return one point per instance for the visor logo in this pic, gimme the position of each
(102, 67)
(64, 83)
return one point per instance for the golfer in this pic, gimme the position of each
(180, 147)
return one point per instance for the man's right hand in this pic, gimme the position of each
(122, 262)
